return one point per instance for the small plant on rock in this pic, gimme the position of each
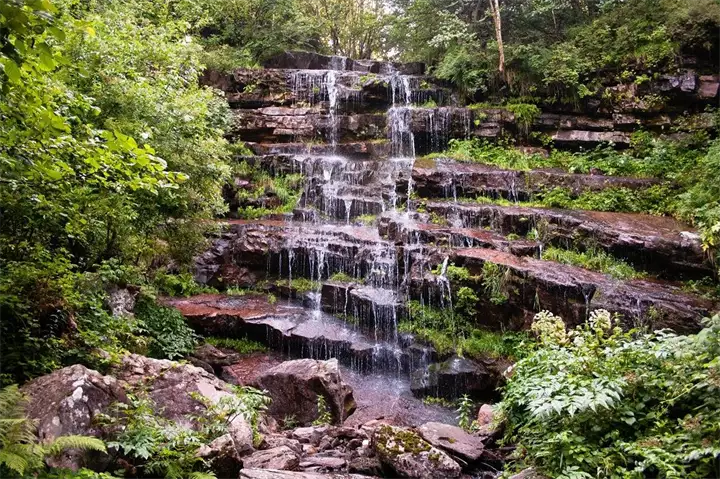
(324, 416)
(465, 412)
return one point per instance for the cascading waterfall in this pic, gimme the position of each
(332, 94)
(402, 138)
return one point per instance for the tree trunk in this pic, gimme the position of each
(495, 9)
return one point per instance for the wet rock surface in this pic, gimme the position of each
(373, 228)
(445, 178)
(453, 440)
(457, 376)
(653, 243)
(573, 292)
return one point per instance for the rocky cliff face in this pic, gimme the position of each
(288, 101)
(373, 228)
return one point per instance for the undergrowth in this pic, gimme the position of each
(593, 259)
(597, 401)
(239, 345)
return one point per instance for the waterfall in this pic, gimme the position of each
(330, 84)
(402, 139)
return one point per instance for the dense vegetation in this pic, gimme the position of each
(596, 401)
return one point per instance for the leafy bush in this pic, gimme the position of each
(324, 416)
(162, 448)
(600, 402)
(171, 336)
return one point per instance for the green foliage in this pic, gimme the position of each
(438, 401)
(495, 282)
(182, 284)
(466, 70)
(484, 343)
(20, 453)
(341, 277)
(525, 115)
(606, 403)
(239, 345)
(304, 285)
(701, 203)
(593, 259)
(164, 448)
(111, 158)
(465, 410)
(171, 336)
(367, 220)
(453, 332)
(267, 194)
(324, 417)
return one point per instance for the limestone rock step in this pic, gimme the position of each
(376, 311)
(413, 230)
(292, 329)
(571, 292)
(357, 149)
(249, 251)
(445, 178)
(657, 244)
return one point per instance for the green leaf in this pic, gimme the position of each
(11, 70)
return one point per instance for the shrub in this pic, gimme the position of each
(171, 337)
(601, 402)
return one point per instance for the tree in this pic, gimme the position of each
(497, 21)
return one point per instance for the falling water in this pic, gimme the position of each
(332, 93)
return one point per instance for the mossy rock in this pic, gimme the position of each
(409, 455)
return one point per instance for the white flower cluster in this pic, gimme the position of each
(549, 328)
(600, 320)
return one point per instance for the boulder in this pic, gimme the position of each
(310, 435)
(454, 377)
(170, 384)
(409, 455)
(209, 354)
(529, 473)
(121, 301)
(223, 456)
(486, 421)
(271, 442)
(65, 403)
(276, 474)
(295, 386)
(453, 440)
(369, 466)
(282, 458)
(325, 462)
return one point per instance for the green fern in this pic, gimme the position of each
(18, 450)
(84, 443)
(202, 475)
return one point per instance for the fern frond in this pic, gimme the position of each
(11, 402)
(14, 462)
(75, 442)
(202, 475)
